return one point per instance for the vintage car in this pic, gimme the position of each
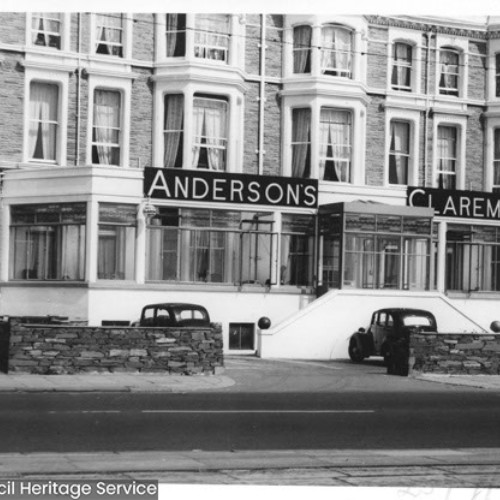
(388, 326)
(174, 314)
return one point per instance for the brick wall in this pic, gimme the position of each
(13, 28)
(375, 142)
(477, 71)
(377, 58)
(454, 353)
(58, 349)
(474, 150)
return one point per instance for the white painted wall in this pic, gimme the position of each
(43, 301)
(322, 330)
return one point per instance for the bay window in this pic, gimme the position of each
(46, 29)
(109, 36)
(47, 242)
(107, 127)
(401, 77)
(449, 71)
(472, 258)
(173, 130)
(209, 246)
(211, 37)
(336, 51)
(175, 31)
(496, 160)
(116, 241)
(399, 152)
(301, 142)
(447, 157)
(335, 145)
(43, 121)
(210, 132)
(302, 36)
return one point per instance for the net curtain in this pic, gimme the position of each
(210, 131)
(106, 125)
(335, 136)
(336, 43)
(43, 124)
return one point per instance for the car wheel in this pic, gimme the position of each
(355, 351)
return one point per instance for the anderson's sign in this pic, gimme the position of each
(209, 186)
(450, 203)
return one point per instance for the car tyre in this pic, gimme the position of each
(356, 351)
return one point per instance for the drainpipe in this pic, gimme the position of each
(78, 90)
(262, 93)
(428, 37)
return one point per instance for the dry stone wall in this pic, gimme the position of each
(454, 353)
(68, 349)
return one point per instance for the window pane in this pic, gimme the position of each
(335, 145)
(210, 133)
(46, 29)
(301, 142)
(401, 69)
(449, 72)
(399, 154)
(447, 157)
(106, 131)
(336, 51)
(109, 34)
(43, 124)
(302, 36)
(176, 35)
(212, 37)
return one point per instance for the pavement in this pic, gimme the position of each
(243, 373)
(448, 468)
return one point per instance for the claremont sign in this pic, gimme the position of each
(451, 203)
(209, 186)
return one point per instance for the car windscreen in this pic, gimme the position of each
(417, 320)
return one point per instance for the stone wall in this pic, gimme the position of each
(66, 348)
(454, 353)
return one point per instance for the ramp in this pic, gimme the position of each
(323, 328)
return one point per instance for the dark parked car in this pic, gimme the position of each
(387, 327)
(174, 314)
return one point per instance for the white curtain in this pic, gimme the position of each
(335, 146)
(301, 139)
(399, 149)
(109, 28)
(72, 252)
(210, 132)
(336, 49)
(302, 36)
(107, 126)
(174, 117)
(43, 120)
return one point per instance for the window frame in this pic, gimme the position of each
(126, 30)
(124, 87)
(395, 65)
(345, 73)
(61, 79)
(449, 90)
(460, 123)
(64, 32)
(495, 188)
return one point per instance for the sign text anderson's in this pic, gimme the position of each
(209, 186)
(451, 203)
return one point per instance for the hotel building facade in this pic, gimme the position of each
(307, 168)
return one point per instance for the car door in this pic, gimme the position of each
(383, 328)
